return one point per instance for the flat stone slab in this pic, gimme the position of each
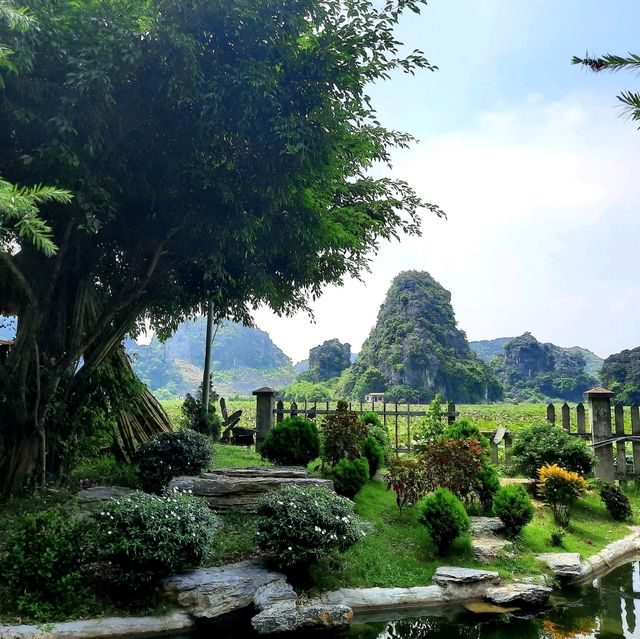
(212, 592)
(259, 471)
(519, 594)
(273, 594)
(372, 598)
(486, 526)
(98, 494)
(286, 618)
(453, 575)
(487, 549)
(113, 627)
(238, 492)
(563, 564)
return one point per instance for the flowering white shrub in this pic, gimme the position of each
(299, 525)
(144, 537)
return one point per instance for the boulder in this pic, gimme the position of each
(273, 594)
(372, 598)
(212, 592)
(519, 594)
(486, 526)
(285, 617)
(464, 583)
(98, 494)
(487, 549)
(564, 565)
(239, 490)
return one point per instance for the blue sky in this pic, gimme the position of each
(534, 167)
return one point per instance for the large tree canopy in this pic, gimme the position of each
(215, 150)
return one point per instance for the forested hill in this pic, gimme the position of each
(243, 359)
(487, 349)
(416, 349)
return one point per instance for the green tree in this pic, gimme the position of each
(630, 100)
(216, 151)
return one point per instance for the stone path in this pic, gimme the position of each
(488, 542)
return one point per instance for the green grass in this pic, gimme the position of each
(235, 541)
(228, 456)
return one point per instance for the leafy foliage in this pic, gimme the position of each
(379, 431)
(616, 501)
(560, 488)
(513, 505)
(41, 566)
(293, 442)
(464, 429)
(349, 476)
(304, 390)
(540, 444)
(342, 435)
(487, 483)
(445, 517)
(373, 453)
(328, 360)
(431, 425)
(297, 525)
(168, 455)
(193, 419)
(453, 464)
(141, 538)
(621, 374)
(407, 478)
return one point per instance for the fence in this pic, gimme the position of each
(614, 438)
(398, 418)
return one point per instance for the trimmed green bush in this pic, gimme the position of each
(41, 567)
(349, 476)
(168, 455)
(293, 442)
(373, 453)
(616, 501)
(445, 517)
(464, 429)
(513, 505)
(298, 525)
(142, 538)
(487, 485)
(541, 444)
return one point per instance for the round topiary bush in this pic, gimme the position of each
(168, 455)
(616, 501)
(487, 484)
(349, 476)
(513, 505)
(143, 538)
(298, 525)
(293, 442)
(373, 453)
(541, 444)
(444, 516)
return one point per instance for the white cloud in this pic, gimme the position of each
(542, 201)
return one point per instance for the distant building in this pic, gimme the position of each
(374, 397)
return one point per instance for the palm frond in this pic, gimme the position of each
(16, 18)
(609, 62)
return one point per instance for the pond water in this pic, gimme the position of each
(608, 608)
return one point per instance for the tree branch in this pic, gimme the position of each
(22, 280)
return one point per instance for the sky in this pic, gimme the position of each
(534, 167)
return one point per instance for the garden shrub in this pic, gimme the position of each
(192, 417)
(373, 453)
(378, 430)
(407, 477)
(349, 476)
(616, 501)
(445, 517)
(453, 464)
(513, 505)
(342, 435)
(487, 483)
(540, 444)
(293, 442)
(557, 536)
(299, 525)
(430, 426)
(143, 538)
(168, 455)
(560, 488)
(464, 429)
(41, 567)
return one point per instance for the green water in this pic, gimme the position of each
(608, 608)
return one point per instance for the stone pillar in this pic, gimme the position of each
(265, 403)
(600, 423)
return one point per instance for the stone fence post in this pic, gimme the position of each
(600, 423)
(265, 403)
